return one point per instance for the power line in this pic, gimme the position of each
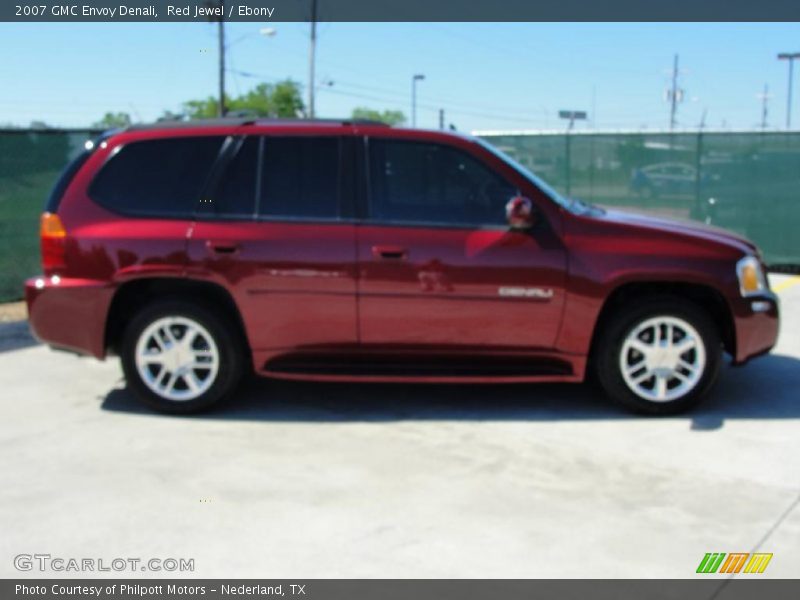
(435, 107)
(521, 55)
(398, 93)
(397, 98)
(401, 96)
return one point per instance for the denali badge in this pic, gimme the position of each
(519, 292)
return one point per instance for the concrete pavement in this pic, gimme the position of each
(319, 480)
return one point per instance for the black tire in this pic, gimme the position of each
(224, 335)
(612, 335)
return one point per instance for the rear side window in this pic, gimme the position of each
(420, 182)
(156, 177)
(300, 178)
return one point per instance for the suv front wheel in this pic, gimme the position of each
(661, 357)
(179, 357)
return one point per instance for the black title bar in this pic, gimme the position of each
(399, 10)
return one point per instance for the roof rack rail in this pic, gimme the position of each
(222, 121)
(250, 120)
(315, 121)
(365, 122)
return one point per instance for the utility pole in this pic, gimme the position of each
(221, 110)
(441, 118)
(674, 95)
(790, 56)
(414, 80)
(312, 59)
(764, 97)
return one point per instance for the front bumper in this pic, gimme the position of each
(756, 321)
(69, 313)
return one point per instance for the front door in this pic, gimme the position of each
(439, 267)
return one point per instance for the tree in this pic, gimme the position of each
(168, 115)
(113, 121)
(201, 109)
(280, 99)
(271, 100)
(390, 117)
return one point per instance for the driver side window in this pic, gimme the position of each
(433, 183)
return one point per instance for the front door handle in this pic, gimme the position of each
(222, 247)
(389, 253)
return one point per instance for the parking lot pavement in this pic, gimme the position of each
(320, 480)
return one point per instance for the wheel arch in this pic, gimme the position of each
(705, 296)
(132, 295)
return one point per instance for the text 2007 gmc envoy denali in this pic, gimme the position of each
(355, 251)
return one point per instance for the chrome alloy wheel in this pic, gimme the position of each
(177, 358)
(662, 359)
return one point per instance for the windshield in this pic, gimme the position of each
(539, 183)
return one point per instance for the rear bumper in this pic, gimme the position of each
(69, 313)
(757, 322)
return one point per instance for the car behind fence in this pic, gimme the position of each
(748, 182)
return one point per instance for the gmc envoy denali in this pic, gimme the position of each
(349, 250)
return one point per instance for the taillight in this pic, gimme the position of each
(53, 238)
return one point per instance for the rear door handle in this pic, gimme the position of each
(222, 247)
(389, 253)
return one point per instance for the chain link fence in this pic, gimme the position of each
(747, 182)
(30, 162)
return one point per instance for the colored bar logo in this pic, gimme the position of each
(716, 562)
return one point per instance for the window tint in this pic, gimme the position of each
(235, 195)
(300, 178)
(157, 177)
(432, 183)
(64, 180)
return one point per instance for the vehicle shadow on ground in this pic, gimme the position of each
(16, 335)
(768, 388)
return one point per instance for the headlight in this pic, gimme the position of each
(751, 276)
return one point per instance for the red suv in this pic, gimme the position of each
(355, 251)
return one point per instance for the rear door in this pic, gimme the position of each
(274, 231)
(439, 267)
(153, 184)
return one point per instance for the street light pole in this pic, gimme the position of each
(790, 56)
(221, 110)
(312, 58)
(414, 80)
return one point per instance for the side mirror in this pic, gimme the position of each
(520, 213)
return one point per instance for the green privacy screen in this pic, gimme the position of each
(30, 163)
(747, 182)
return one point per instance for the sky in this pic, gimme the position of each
(486, 76)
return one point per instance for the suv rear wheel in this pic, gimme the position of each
(179, 357)
(662, 357)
